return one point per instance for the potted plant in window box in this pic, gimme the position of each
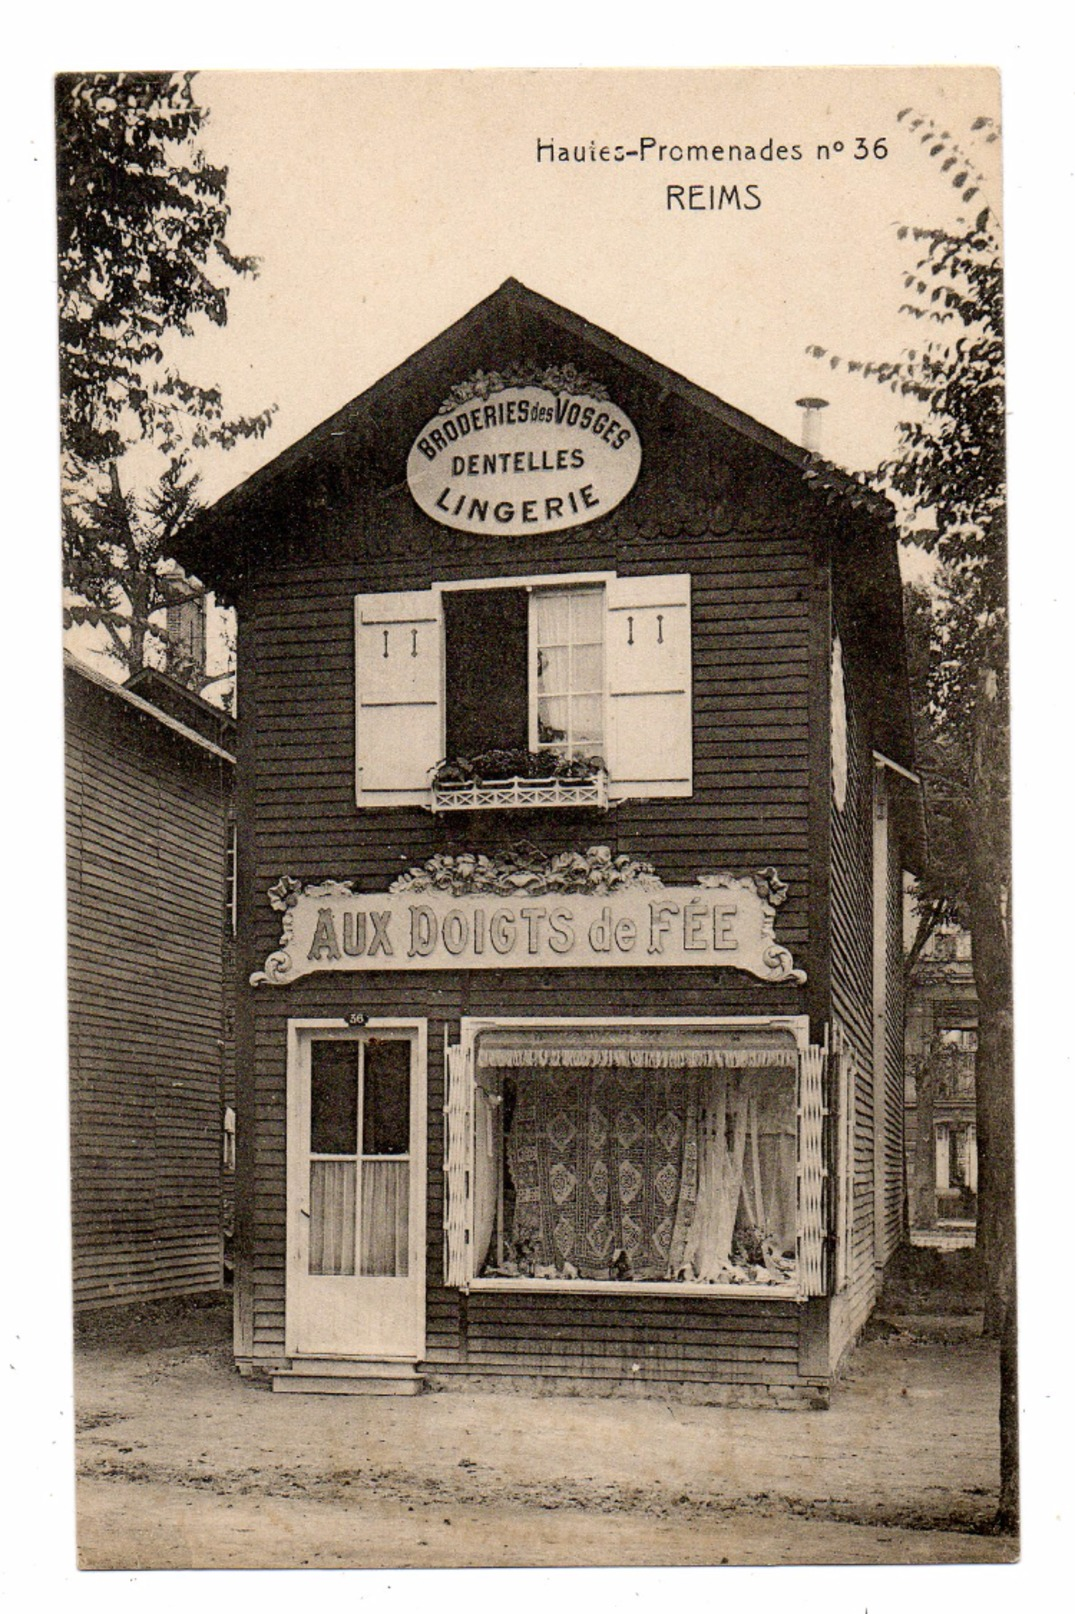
(517, 778)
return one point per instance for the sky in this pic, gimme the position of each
(383, 205)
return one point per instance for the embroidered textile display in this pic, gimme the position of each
(661, 1165)
(598, 1164)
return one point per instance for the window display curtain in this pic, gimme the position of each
(660, 1164)
(586, 1048)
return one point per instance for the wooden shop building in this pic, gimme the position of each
(575, 792)
(150, 902)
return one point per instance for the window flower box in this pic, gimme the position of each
(518, 779)
(517, 792)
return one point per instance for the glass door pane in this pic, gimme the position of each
(386, 1177)
(334, 1086)
(386, 1098)
(332, 1218)
(386, 1188)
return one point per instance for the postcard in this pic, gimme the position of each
(538, 800)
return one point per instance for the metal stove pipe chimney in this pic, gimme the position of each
(811, 426)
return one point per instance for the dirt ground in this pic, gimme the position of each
(182, 1464)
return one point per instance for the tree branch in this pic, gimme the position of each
(928, 920)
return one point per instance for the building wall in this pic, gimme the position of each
(852, 986)
(145, 862)
(941, 994)
(334, 519)
(612, 1340)
(895, 1192)
(228, 1048)
(752, 647)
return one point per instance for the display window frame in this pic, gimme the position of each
(462, 1121)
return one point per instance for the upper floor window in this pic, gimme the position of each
(586, 670)
(569, 671)
(524, 671)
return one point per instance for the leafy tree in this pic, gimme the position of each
(142, 254)
(947, 476)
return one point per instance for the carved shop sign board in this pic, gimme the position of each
(327, 927)
(524, 459)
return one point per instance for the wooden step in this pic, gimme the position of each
(334, 1375)
(349, 1367)
(339, 1384)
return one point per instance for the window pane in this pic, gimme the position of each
(570, 670)
(552, 720)
(586, 670)
(334, 1098)
(332, 1218)
(386, 1106)
(654, 1174)
(586, 715)
(587, 607)
(552, 666)
(553, 616)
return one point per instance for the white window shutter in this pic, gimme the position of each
(458, 1166)
(845, 1160)
(810, 1240)
(399, 697)
(648, 656)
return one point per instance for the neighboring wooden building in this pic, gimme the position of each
(564, 683)
(150, 771)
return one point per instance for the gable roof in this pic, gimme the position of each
(193, 711)
(121, 692)
(222, 540)
(205, 548)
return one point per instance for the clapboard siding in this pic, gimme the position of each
(731, 508)
(751, 663)
(895, 1194)
(563, 1335)
(852, 987)
(145, 857)
(615, 1337)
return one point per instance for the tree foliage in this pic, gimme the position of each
(143, 256)
(142, 217)
(947, 476)
(941, 891)
(948, 469)
(114, 543)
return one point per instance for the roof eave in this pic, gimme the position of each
(194, 546)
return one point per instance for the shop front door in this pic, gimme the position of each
(356, 1193)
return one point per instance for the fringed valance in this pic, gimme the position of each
(680, 1049)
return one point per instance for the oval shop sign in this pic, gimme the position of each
(524, 460)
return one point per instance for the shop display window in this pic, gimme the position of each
(654, 1155)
